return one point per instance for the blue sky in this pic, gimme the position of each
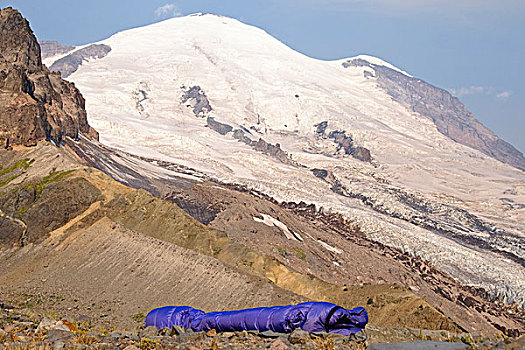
(474, 48)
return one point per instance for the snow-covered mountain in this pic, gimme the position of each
(402, 159)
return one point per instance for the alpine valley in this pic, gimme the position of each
(226, 161)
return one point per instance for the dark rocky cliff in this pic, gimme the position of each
(35, 103)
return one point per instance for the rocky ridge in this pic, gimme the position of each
(69, 64)
(36, 104)
(49, 48)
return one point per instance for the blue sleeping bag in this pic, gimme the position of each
(309, 316)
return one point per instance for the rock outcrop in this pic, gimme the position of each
(264, 147)
(69, 64)
(35, 103)
(45, 206)
(347, 143)
(344, 142)
(195, 97)
(221, 128)
(449, 115)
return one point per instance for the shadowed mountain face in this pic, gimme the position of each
(69, 64)
(51, 48)
(449, 115)
(37, 104)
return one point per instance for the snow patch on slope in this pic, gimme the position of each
(329, 247)
(270, 221)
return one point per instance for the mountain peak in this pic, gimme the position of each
(36, 104)
(18, 44)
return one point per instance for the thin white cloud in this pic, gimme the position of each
(481, 90)
(167, 11)
(471, 90)
(503, 95)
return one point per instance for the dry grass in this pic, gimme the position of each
(324, 344)
(148, 344)
(85, 339)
